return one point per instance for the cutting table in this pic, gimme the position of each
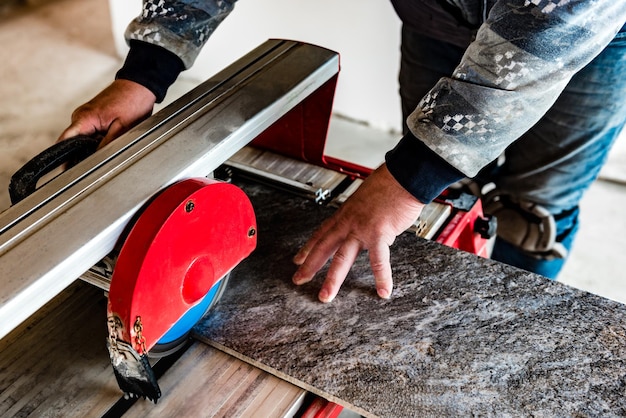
(461, 335)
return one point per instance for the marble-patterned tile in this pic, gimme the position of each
(460, 336)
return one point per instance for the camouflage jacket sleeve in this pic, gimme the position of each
(523, 57)
(180, 26)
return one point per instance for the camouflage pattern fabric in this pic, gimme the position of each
(524, 54)
(181, 27)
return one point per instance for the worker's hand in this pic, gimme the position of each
(370, 219)
(115, 110)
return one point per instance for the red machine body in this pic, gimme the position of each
(188, 238)
(463, 232)
(301, 133)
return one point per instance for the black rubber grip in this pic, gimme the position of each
(70, 151)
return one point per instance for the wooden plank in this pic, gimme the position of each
(276, 399)
(460, 336)
(56, 364)
(209, 383)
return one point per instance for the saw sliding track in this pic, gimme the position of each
(50, 238)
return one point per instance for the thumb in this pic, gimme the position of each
(116, 128)
(76, 129)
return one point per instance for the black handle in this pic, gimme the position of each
(70, 151)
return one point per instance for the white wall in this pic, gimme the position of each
(365, 32)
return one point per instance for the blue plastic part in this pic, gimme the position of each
(184, 324)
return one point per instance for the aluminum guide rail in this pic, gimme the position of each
(53, 236)
(310, 180)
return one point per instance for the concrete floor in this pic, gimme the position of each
(58, 53)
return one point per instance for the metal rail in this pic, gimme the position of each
(50, 238)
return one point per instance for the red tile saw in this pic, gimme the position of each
(142, 212)
(149, 228)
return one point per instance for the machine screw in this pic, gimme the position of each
(189, 206)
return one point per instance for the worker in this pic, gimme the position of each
(519, 98)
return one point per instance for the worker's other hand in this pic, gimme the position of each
(116, 109)
(370, 219)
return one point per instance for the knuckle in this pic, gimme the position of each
(379, 266)
(340, 256)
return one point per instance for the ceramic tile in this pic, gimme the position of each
(460, 336)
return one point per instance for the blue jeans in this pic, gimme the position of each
(556, 161)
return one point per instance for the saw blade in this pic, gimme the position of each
(178, 335)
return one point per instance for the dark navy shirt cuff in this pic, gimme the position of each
(419, 170)
(152, 66)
